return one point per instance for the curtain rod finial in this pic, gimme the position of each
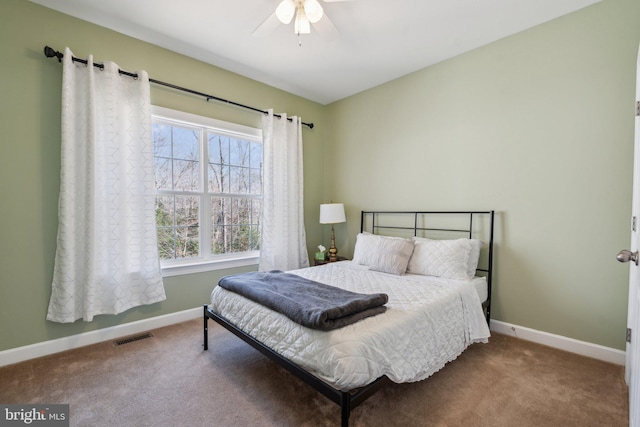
(50, 53)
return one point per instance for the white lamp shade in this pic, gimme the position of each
(332, 213)
(313, 10)
(285, 11)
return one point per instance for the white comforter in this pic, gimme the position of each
(429, 321)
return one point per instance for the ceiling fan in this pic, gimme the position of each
(303, 13)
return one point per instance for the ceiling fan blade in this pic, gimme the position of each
(268, 26)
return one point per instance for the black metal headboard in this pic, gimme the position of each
(439, 225)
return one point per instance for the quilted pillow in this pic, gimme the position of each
(474, 256)
(383, 253)
(450, 259)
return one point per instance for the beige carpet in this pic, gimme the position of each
(168, 380)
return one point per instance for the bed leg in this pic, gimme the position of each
(206, 329)
(345, 405)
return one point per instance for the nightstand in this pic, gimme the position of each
(326, 261)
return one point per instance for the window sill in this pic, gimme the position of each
(200, 266)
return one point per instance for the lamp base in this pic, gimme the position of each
(333, 251)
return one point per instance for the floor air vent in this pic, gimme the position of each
(132, 339)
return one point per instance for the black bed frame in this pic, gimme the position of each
(375, 222)
(416, 223)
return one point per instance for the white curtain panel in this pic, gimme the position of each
(107, 253)
(284, 242)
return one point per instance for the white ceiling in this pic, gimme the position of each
(376, 40)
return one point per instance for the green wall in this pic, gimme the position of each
(30, 90)
(539, 127)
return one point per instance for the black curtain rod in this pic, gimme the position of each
(50, 53)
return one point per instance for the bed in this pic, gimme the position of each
(435, 267)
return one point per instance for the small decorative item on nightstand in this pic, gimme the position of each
(321, 255)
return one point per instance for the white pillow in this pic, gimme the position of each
(474, 257)
(383, 253)
(444, 258)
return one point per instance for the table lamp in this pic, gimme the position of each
(332, 213)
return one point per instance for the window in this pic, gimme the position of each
(208, 177)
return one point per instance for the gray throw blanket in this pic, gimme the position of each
(309, 303)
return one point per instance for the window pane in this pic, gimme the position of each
(255, 155)
(256, 224)
(218, 149)
(178, 227)
(218, 178)
(220, 217)
(241, 211)
(162, 167)
(256, 211)
(187, 212)
(241, 238)
(234, 228)
(187, 245)
(176, 157)
(166, 243)
(239, 180)
(161, 140)
(239, 152)
(255, 181)
(164, 211)
(254, 243)
(186, 145)
(186, 175)
(162, 155)
(221, 240)
(220, 211)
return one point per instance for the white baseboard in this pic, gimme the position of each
(584, 348)
(45, 348)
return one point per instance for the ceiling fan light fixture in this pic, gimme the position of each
(285, 11)
(313, 11)
(302, 24)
